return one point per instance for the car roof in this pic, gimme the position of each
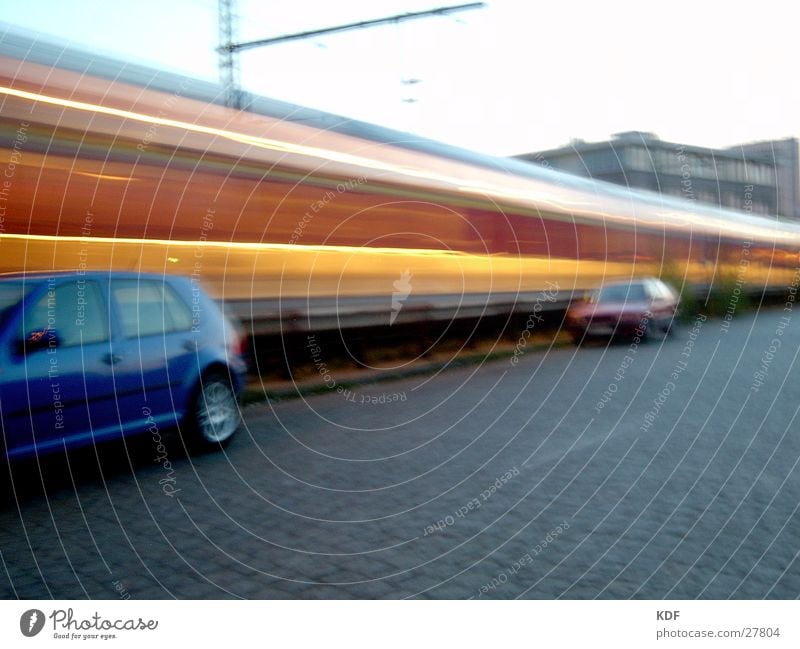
(631, 282)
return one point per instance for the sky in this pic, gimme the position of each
(514, 77)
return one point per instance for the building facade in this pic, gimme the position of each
(761, 178)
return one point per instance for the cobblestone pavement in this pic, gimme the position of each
(663, 470)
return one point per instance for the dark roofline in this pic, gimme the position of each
(733, 153)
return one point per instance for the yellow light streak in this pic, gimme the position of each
(239, 245)
(234, 136)
(105, 176)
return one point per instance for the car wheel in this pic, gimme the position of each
(215, 412)
(649, 324)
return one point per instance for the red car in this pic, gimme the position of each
(636, 307)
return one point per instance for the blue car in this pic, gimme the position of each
(87, 357)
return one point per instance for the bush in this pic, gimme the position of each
(690, 304)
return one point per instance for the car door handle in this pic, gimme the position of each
(111, 359)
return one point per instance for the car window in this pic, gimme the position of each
(654, 291)
(75, 310)
(177, 310)
(11, 293)
(662, 291)
(622, 293)
(149, 307)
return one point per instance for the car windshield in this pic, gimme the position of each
(11, 293)
(622, 293)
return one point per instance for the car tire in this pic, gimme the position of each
(647, 329)
(214, 415)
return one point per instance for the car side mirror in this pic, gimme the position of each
(37, 339)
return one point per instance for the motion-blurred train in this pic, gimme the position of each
(302, 219)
